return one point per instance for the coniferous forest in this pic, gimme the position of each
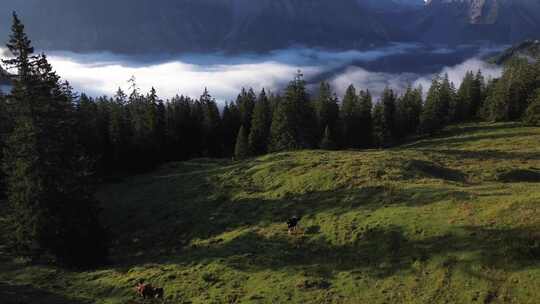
(56, 144)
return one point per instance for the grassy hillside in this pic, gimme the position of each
(453, 219)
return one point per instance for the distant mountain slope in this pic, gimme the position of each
(261, 25)
(463, 21)
(199, 25)
(529, 50)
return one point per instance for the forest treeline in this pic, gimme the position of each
(54, 143)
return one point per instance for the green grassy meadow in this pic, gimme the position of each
(451, 219)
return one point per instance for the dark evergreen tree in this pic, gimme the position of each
(365, 125)
(282, 137)
(211, 125)
(509, 97)
(326, 109)
(241, 149)
(461, 108)
(51, 207)
(386, 129)
(447, 97)
(409, 109)
(260, 126)
(231, 121)
(302, 112)
(350, 119)
(532, 114)
(294, 124)
(432, 119)
(380, 133)
(161, 130)
(246, 103)
(477, 96)
(5, 123)
(328, 142)
(120, 131)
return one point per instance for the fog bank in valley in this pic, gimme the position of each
(397, 66)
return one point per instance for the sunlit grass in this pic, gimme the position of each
(429, 222)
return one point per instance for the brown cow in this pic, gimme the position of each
(147, 291)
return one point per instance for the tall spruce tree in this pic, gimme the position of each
(380, 133)
(51, 207)
(365, 127)
(350, 119)
(477, 95)
(409, 109)
(305, 122)
(282, 136)
(231, 121)
(294, 125)
(432, 119)
(260, 126)
(532, 114)
(4, 130)
(387, 130)
(246, 103)
(211, 125)
(241, 149)
(328, 142)
(462, 110)
(326, 109)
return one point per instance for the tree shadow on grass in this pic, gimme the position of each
(376, 252)
(486, 154)
(212, 218)
(27, 294)
(465, 139)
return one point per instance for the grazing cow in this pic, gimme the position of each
(147, 291)
(292, 224)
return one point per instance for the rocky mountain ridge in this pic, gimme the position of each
(139, 26)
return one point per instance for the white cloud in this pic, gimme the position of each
(457, 72)
(224, 76)
(376, 82)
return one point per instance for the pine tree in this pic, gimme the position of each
(211, 125)
(246, 103)
(294, 124)
(5, 124)
(380, 133)
(302, 113)
(160, 130)
(509, 96)
(432, 119)
(282, 137)
(532, 115)
(231, 124)
(350, 119)
(52, 209)
(365, 126)
(385, 125)
(409, 109)
(327, 142)
(477, 95)
(446, 99)
(462, 110)
(259, 135)
(241, 149)
(326, 109)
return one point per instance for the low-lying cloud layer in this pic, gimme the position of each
(102, 73)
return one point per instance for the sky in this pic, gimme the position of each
(224, 76)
